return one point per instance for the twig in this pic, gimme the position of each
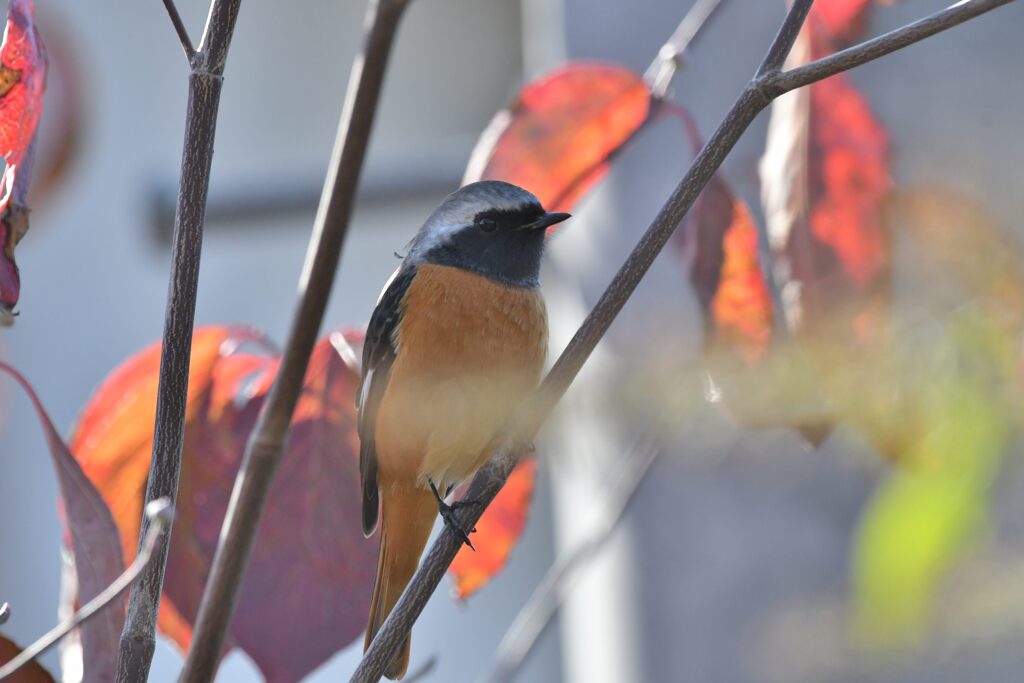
(785, 38)
(524, 424)
(159, 513)
(879, 47)
(179, 27)
(205, 80)
(670, 57)
(535, 616)
(266, 444)
(5, 613)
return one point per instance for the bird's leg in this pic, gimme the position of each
(448, 515)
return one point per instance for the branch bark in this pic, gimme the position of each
(159, 512)
(204, 88)
(265, 446)
(767, 84)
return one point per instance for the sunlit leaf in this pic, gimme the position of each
(556, 137)
(310, 555)
(32, 672)
(22, 82)
(921, 519)
(497, 533)
(94, 541)
(824, 176)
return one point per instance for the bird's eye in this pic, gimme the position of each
(487, 224)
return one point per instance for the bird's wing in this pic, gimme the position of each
(378, 354)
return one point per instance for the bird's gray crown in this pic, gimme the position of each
(460, 209)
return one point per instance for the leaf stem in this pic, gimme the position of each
(205, 81)
(524, 424)
(266, 445)
(159, 513)
(663, 69)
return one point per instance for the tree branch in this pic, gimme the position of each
(879, 47)
(786, 36)
(524, 424)
(660, 73)
(619, 491)
(266, 444)
(179, 28)
(159, 513)
(205, 81)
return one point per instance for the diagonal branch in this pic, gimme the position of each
(179, 28)
(485, 486)
(882, 45)
(204, 87)
(619, 491)
(266, 445)
(159, 512)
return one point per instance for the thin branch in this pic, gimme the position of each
(159, 513)
(535, 616)
(670, 57)
(785, 38)
(179, 28)
(266, 445)
(882, 45)
(524, 424)
(205, 81)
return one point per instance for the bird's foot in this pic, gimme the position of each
(447, 513)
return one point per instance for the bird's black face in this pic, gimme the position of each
(503, 244)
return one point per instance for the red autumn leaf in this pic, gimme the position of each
(725, 269)
(94, 542)
(497, 533)
(310, 554)
(556, 137)
(726, 274)
(844, 20)
(22, 82)
(824, 174)
(33, 672)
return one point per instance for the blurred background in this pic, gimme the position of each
(734, 563)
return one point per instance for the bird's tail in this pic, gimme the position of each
(407, 516)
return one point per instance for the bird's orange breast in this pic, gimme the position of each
(469, 350)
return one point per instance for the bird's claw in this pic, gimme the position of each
(447, 513)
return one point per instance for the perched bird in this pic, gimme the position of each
(456, 342)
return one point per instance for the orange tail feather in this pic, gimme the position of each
(407, 517)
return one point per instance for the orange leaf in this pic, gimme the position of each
(497, 532)
(726, 273)
(556, 138)
(33, 672)
(310, 553)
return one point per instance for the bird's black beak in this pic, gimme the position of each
(546, 221)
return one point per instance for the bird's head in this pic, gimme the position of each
(489, 227)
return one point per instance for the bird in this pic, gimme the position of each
(456, 342)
